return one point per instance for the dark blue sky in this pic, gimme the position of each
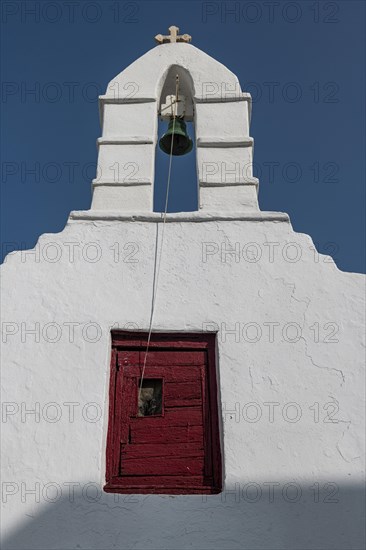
(303, 62)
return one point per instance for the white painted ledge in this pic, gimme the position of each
(132, 99)
(154, 217)
(243, 96)
(224, 142)
(109, 183)
(218, 183)
(201, 142)
(132, 140)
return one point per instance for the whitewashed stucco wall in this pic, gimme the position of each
(290, 345)
(200, 288)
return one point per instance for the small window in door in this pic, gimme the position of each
(163, 434)
(149, 398)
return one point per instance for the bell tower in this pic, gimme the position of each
(209, 95)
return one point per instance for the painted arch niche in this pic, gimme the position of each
(183, 190)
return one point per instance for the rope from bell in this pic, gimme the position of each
(157, 270)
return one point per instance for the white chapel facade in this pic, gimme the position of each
(242, 426)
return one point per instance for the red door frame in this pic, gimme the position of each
(124, 340)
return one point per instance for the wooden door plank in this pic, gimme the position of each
(185, 466)
(183, 390)
(180, 373)
(162, 450)
(163, 481)
(174, 416)
(180, 434)
(159, 358)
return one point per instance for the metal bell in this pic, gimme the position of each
(182, 143)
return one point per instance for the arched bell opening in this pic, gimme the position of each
(176, 135)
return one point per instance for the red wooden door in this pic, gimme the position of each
(161, 437)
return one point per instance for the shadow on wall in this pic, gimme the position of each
(293, 516)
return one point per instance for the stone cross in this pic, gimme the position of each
(173, 36)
